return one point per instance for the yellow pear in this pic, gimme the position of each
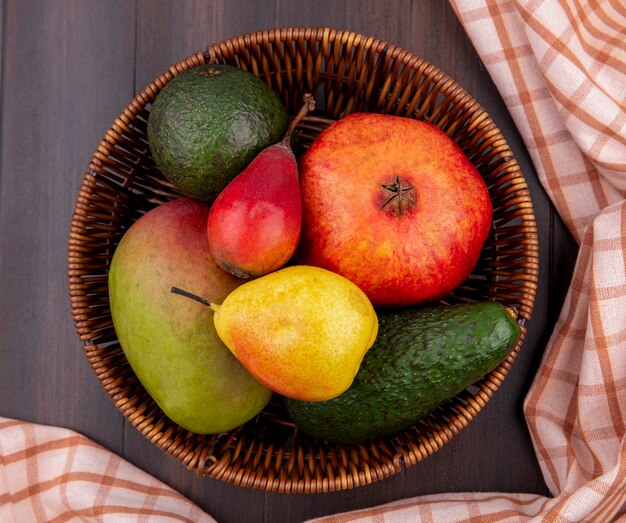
(301, 331)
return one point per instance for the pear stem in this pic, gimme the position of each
(309, 105)
(214, 306)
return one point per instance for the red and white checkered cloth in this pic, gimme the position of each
(52, 474)
(560, 66)
(561, 69)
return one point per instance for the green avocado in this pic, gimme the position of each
(208, 123)
(421, 358)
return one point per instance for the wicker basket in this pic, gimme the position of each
(346, 72)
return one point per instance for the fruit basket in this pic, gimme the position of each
(346, 72)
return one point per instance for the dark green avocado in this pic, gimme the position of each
(421, 358)
(207, 124)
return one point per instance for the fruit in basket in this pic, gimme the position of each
(208, 123)
(254, 224)
(171, 342)
(394, 205)
(301, 331)
(421, 358)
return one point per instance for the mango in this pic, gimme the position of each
(170, 341)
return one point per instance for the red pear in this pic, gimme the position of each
(254, 224)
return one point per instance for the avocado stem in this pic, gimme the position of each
(309, 105)
(214, 306)
(511, 311)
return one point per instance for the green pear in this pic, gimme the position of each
(170, 341)
(301, 331)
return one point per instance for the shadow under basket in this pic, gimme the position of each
(346, 73)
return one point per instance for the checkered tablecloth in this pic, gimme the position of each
(560, 67)
(52, 474)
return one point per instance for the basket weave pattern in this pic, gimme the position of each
(346, 72)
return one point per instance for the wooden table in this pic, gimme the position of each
(68, 68)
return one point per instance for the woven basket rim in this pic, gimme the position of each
(197, 453)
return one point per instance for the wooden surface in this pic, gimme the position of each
(67, 70)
